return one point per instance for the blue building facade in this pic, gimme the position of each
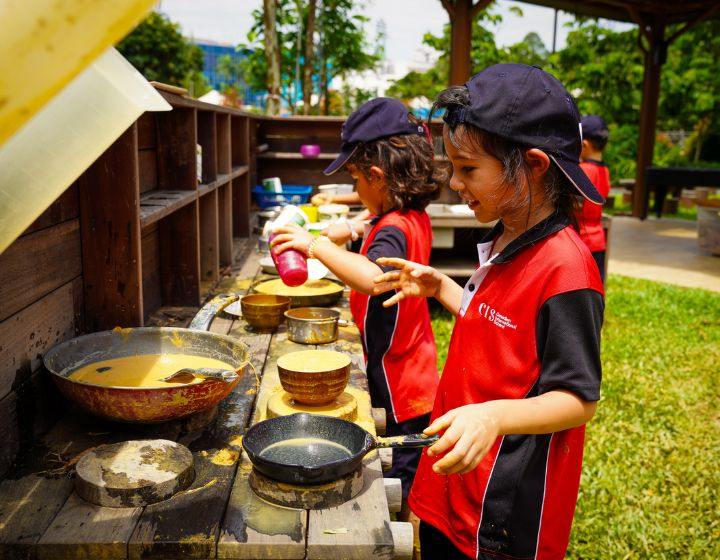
(213, 51)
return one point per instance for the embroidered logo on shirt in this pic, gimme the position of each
(496, 318)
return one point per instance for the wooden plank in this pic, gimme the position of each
(330, 156)
(188, 525)
(152, 298)
(209, 237)
(241, 206)
(38, 263)
(147, 135)
(109, 197)
(224, 153)
(366, 517)
(225, 224)
(147, 161)
(176, 137)
(38, 486)
(207, 138)
(27, 335)
(156, 205)
(180, 257)
(64, 208)
(84, 530)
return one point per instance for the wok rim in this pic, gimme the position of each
(65, 374)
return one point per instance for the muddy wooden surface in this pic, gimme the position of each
(217, 516)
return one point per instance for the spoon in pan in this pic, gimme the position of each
(186, 375)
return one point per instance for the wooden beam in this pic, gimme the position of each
(654, 58)
(461, 35)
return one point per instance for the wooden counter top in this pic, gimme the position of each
(218, 516)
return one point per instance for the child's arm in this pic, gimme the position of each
(353, 269)
(416, 280)
(471, 430)
(341, 232)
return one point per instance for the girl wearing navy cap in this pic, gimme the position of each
(388, 153)
(522, 376)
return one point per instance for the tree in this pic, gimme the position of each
(308, 62)
(272, 57)
(339, 46)
(158, 50)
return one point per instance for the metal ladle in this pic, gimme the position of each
(186, 375)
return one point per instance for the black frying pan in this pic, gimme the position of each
(312, 449)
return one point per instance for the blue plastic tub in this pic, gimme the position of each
(291, 194)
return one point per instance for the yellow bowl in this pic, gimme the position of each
(264, 311)
(314, 377)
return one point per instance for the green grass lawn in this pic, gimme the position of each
(651, 474)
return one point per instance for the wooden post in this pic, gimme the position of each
(654, 58)
(461, 13)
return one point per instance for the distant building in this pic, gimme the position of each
(213, 50)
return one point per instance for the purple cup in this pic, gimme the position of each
(310, 150)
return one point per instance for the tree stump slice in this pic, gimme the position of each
(282, 404)
(134, 473)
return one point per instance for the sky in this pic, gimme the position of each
(406, 21)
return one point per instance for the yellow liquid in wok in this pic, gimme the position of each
(143, 371)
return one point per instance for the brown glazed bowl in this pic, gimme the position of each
(264, 312)
(314, 377)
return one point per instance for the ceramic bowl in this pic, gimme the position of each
(310, 150)
(314, 377)
(264, 312)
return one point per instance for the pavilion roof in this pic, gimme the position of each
(674, 11)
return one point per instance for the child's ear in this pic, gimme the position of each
(377, 176)
(539, 162)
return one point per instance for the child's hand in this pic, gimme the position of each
(291, 236)
(322, 198)
(470, 432)
(411, 280)
(337, 233)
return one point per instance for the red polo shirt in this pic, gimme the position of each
(398, 341)
(590, 215)
(529, 323)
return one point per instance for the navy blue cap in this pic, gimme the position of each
(527, 105)
(594, 128)
(378, 118)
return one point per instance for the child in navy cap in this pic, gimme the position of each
(388, 153)
(522, 375)
(595, 136)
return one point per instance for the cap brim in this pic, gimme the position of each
(340, 161)
(579, 179)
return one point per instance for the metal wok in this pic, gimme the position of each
(149, 404)
(313, 449)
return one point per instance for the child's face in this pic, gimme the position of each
(477, 178)
(368, 189)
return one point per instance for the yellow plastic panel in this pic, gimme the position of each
(63, 139)
(46, 43)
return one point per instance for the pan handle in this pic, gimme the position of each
(201, 321)
(410, 440)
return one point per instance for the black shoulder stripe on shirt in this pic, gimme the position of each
(389, 242)
(568, 343)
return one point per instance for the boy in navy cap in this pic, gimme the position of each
(595, 137)
(522, 375)
(388, 153)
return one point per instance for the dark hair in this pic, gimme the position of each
(412, 177)
(516, 170)
(598, 143)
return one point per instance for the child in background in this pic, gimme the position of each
(389, 156)
(595, 137)
(522, 375)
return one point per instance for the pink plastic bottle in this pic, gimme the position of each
(291, 265)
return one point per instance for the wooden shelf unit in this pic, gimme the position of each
(156, 229)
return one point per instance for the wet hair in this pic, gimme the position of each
(516, 169)
(412, 176)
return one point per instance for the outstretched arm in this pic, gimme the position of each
(471, 430)
(417, 280)
(353, 269)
